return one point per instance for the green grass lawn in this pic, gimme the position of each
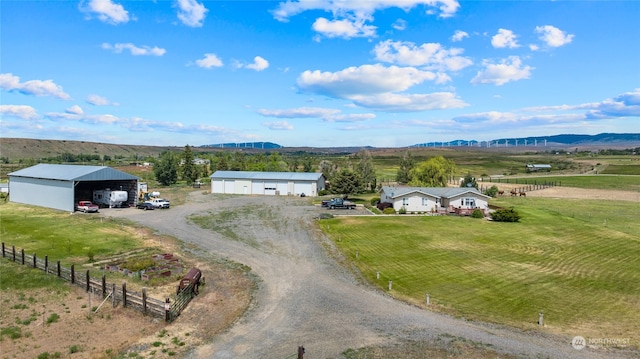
(574, 260)
(600, 181)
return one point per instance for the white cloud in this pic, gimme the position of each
(430, 55)
(209, 61)
(534, 47)
(400, 25)
(392, 102)
(106, 10)
(98, 100)
(346, 28)
(19, 111)
(191, 13)
(75, 110)
(552, 36)
(351, 117)
(278, 125)
(459, 35)
(509, 69)
(300, 112)
(134, 50)
(365, 79)
(350, 17)
(10, 82)
(258, 64)
(504, 38)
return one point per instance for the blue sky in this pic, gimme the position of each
(384, 73)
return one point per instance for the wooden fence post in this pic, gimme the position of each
(46, 264)
(22, 254)
(104, 285)
(73, 274)
(88, 281)
(34, 261)
(13, 249)
(113, 294)
(167, 312)
(144, 300)
(2, 249)
(58, 265)
(124, 294)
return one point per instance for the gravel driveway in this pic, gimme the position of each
(305, 298)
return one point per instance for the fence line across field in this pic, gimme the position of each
(130, 299)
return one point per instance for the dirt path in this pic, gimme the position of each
(305, 298)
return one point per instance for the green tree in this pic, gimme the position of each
(307, 163)
(275, 163)
(166, 168)
(189, 170)
(491, 191)
(469, 181)
(434, 172)
(403, 176)
(365, 168)
(238, 162)
(346, 182)
(328, 169)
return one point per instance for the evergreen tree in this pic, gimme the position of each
(365, 169)
(328, 169)
(469, 181)
(307, 163)
(189, 170)
(434, 172)
(166, 168)
(346, 182)
(403, 176)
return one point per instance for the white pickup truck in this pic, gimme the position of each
(159, 203)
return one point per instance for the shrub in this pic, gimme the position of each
(384, 205)
(477, 213)
(374, 201)
(75, 349)
(402, 210)
(505, 215)
(11, 332)
(323, 192)
(491, 191)
(53, 318)
(389, 210)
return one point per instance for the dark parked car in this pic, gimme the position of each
(145, 205)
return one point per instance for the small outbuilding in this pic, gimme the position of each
(267, 183)
(61, 186)
(538, 167)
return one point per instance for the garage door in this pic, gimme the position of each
(303, 187)
(218, 186)
(282, 188)
(257, 187)
(270, 188)
(229, 186)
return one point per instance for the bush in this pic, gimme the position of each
(384, 205)
(505, 215)
(323, 192)
(375, 201)
(389, 210)
(402, 210)
(491, 191)
(477, 213)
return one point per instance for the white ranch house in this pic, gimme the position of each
(457, 200)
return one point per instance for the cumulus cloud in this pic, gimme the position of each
(98, 100)
(209, 61)
(429, 55)
(400, 25)
(278, 125)
(75, 110)
(393, 102)
(459, 35)
(300, 112)
(509, 69)
(134, 50)
(23, 112)
(350, 117)
(10, 82)
(258, 64)
(504, 38)
(552, 36)
(345, 28)
(351, 18)
(106, 10)
(191, 12)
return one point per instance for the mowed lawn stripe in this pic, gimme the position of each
(582, 273)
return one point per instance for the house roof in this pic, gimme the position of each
(438, 192)
(249, 175)
(72, 173)
(538, 166)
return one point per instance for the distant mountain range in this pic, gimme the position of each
(258, 145)
(537, 141)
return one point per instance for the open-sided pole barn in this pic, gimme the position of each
(61, 186)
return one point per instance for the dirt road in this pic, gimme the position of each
(305, 298)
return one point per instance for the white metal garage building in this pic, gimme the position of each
(267, 183)
(61, 186)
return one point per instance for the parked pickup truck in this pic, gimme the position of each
(339, 203)
(159, 203)
(86, 206)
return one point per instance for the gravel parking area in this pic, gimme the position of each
(305, 297)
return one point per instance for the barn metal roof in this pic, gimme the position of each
(274, 176)
(441, 192)
(72, 173)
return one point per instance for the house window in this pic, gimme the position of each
(470, 202)
(425, 201)
(405, 201)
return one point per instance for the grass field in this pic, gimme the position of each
(601, 181)
(574, 260)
